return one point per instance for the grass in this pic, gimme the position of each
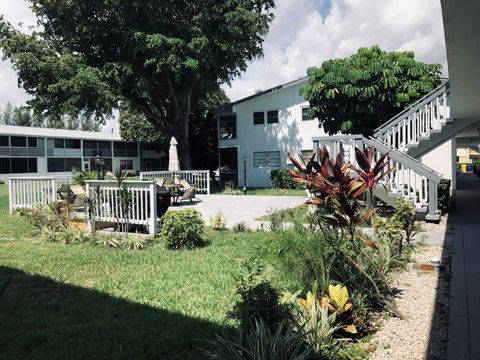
(298, 213)
(260, 191)
(83, 301)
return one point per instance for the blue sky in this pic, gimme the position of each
(303, 34)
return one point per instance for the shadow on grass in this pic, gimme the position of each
(44, 319)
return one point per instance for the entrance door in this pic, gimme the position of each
(228, 166)
(86, 165)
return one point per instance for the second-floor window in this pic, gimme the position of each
(18, 141)
(258, 118)
(306, 114)
(272, 116)
(228, 127)
(4, 141)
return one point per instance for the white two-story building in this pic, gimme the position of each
(258, 132)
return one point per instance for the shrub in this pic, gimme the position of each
(444, 195)
(218, 222)
(405, 215)
(240, 227)
(2, 182)
(80, 176)
(259, 300)
(281, 179)
(260, 342)
(278, 217)
(182, 229)
(51, 215)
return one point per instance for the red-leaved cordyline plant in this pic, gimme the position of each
(370, 173)
(332, 186)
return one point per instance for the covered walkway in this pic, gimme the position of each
(464, 313)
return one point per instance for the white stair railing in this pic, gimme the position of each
(426, 116)
(410, 179)
(200, 178)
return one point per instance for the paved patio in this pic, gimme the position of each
(237, 208)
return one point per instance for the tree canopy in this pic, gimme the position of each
(92, 54)
(358, 93)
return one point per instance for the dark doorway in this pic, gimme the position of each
(228, 166)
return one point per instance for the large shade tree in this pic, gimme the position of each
(358, 93)
(91, 54)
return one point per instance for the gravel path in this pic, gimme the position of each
(422, 334)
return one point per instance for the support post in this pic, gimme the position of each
(54, 190)
(208, 182)
(87, 218)
(432, 201)
(153, 210)
(10, 195)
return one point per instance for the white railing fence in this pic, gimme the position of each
(142, 208)
(200, 178)
(27, 192)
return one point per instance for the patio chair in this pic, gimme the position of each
(160, 182)
(189, 193)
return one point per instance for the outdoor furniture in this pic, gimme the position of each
(160, 182)
(189, 193)
(176, 191)
(72, 194)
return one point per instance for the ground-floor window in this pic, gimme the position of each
(266, 159)
(18, 165)
(126, 164)
(152, 164)
(63, 164)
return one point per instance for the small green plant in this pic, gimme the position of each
(134, 242)
(231, 191)
(318, 325)
(80, 176)
(444, 194)
(240, 227)
(182, 229)
(278, 218)
(109, 242)
(405, 216)
(76, 236)
(50, 234)
(258, 299)
(51, 215)
(260, 342)
(218, 222)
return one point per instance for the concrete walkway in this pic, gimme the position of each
(237, 208)
(464, 312)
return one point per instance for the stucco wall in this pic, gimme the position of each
(442, 159)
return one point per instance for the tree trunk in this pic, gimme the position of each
(180, 114)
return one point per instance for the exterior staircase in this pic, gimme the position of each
(406, 137)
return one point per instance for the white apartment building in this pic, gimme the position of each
(41, 151)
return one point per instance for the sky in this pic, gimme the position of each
(304, 33)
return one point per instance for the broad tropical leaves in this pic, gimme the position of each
(358, 93)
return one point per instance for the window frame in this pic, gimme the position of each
(308, 109)
(263, 117)
(18, 138)
(267, 163)
(277, 116)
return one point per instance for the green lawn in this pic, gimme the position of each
(83, 301)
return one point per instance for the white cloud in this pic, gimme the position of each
(301, 37)
(305, 33)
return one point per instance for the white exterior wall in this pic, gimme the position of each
(290, 134)
(441, 160)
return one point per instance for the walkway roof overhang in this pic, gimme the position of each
(462, 37)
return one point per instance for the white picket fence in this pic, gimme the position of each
(141, 211)
(200, 178)
(27, 192)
